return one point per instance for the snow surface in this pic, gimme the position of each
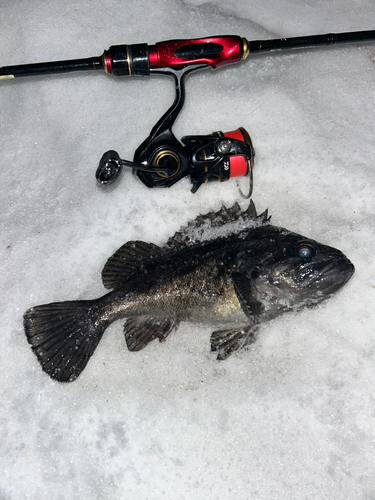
(291, 418)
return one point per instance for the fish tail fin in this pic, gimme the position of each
(64, 335)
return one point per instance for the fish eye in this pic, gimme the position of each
(305, 250)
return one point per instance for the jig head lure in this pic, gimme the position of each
(161, 160)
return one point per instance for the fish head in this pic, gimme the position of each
(290, 271)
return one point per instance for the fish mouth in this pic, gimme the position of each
(325, 277)
(336, 275)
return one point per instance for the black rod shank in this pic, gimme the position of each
(310, 41)
(51, 67)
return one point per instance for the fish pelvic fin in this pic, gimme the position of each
(64, 335)
(231, 339)
(140, 330)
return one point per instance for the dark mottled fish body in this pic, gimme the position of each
(231, 269)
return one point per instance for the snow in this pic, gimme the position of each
(292, 417)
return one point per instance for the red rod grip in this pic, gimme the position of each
(215, 51)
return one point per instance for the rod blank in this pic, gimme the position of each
(139, 56)
(300, 42)
(47, 68)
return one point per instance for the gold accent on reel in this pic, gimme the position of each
(162, 156)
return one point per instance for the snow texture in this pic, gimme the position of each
(292, 417)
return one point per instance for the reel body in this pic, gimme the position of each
(161, 160)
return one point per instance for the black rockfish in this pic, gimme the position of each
(230, 268)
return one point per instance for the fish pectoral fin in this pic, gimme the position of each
(231, 339)
(246, 294)
(140, 330)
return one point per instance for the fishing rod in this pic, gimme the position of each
(162, 160)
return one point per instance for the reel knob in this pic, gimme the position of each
(109, 168)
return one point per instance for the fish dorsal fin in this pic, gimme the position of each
(132, 256)
(127, 260)
(218, 224)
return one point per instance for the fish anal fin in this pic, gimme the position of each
(127, 260)
(246, 294)
(230, 340)
(140, 330)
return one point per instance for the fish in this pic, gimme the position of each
(231, 269)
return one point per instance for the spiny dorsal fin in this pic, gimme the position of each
(216, 224)
(127, 260)
(252, 214)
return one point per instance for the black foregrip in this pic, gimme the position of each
(128, 60)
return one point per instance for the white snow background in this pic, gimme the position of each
(293, 416)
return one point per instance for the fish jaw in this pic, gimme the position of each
(324, 278)
(343, 273)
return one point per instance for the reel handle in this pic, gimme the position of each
(111, 164)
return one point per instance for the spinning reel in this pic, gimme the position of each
(161, 160)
